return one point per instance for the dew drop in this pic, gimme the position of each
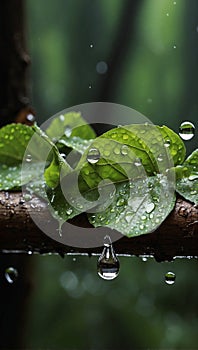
(68, 131)
(144, 258)
(186, 130)
(11, 274)
(61, 118)
(174, 46)
(91, 46)
(69, 211)
(167, 143)
(63, 155)
(108, 264)
(170, 278)
(150, 207)
(160, 158)
(138, 162)
(174, 3)
(28, 158)
(124, 150)
(101, 67)
(93, 155)
(30, 118)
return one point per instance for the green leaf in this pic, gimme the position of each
(75, 143)
(137, 207)
(14, 139)
(187, 178)
(68, 126)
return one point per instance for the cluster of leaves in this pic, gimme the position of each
(124, 179)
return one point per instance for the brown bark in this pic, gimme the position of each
(14, 61)
(177, 236)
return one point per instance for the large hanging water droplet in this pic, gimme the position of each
(108, 264)
(93, 155)
(186, 131)
(170, 278)
(11, 274)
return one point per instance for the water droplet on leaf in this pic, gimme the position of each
(124, 150)
(186, 131)
(62, 118)
(138, 162)
(30, 118)
(108, 264)
(160, 158)
(63, 155)
(93, 155)
(28, 158)
(170, 278)
(11, 274)
(150, 207)
(68, 131)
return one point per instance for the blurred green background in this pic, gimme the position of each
(151, 53)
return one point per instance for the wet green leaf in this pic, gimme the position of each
(14, 139)
(68, 126)
(137, 207)
(187, 178)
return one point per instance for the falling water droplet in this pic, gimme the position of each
(101, 67)
(108, 264)
(30, 118)
(93, 155)
(186, 130)
(28, 158)
(11, 274)
(170, 278)
(144, 258)
(68, 131)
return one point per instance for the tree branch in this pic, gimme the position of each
(177, 236)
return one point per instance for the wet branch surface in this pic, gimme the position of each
(177, 236)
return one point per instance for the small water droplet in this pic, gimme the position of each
(174, 3)
(108, 264)
(91, 46)
(124, 150)
(68, 131)
(63, 155)
(30, 252)
(69, 211)
(28, 158)
(90, 86)
(174, 46)
(11, 274)
(170, 278)
(101, 67)
(186, 130)
(150, 207)
(167, 14)
(160, 158)
(138, 162)
(93, 155)
(144, 258)
(61, 118)
(30, 118)
(167, 143)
